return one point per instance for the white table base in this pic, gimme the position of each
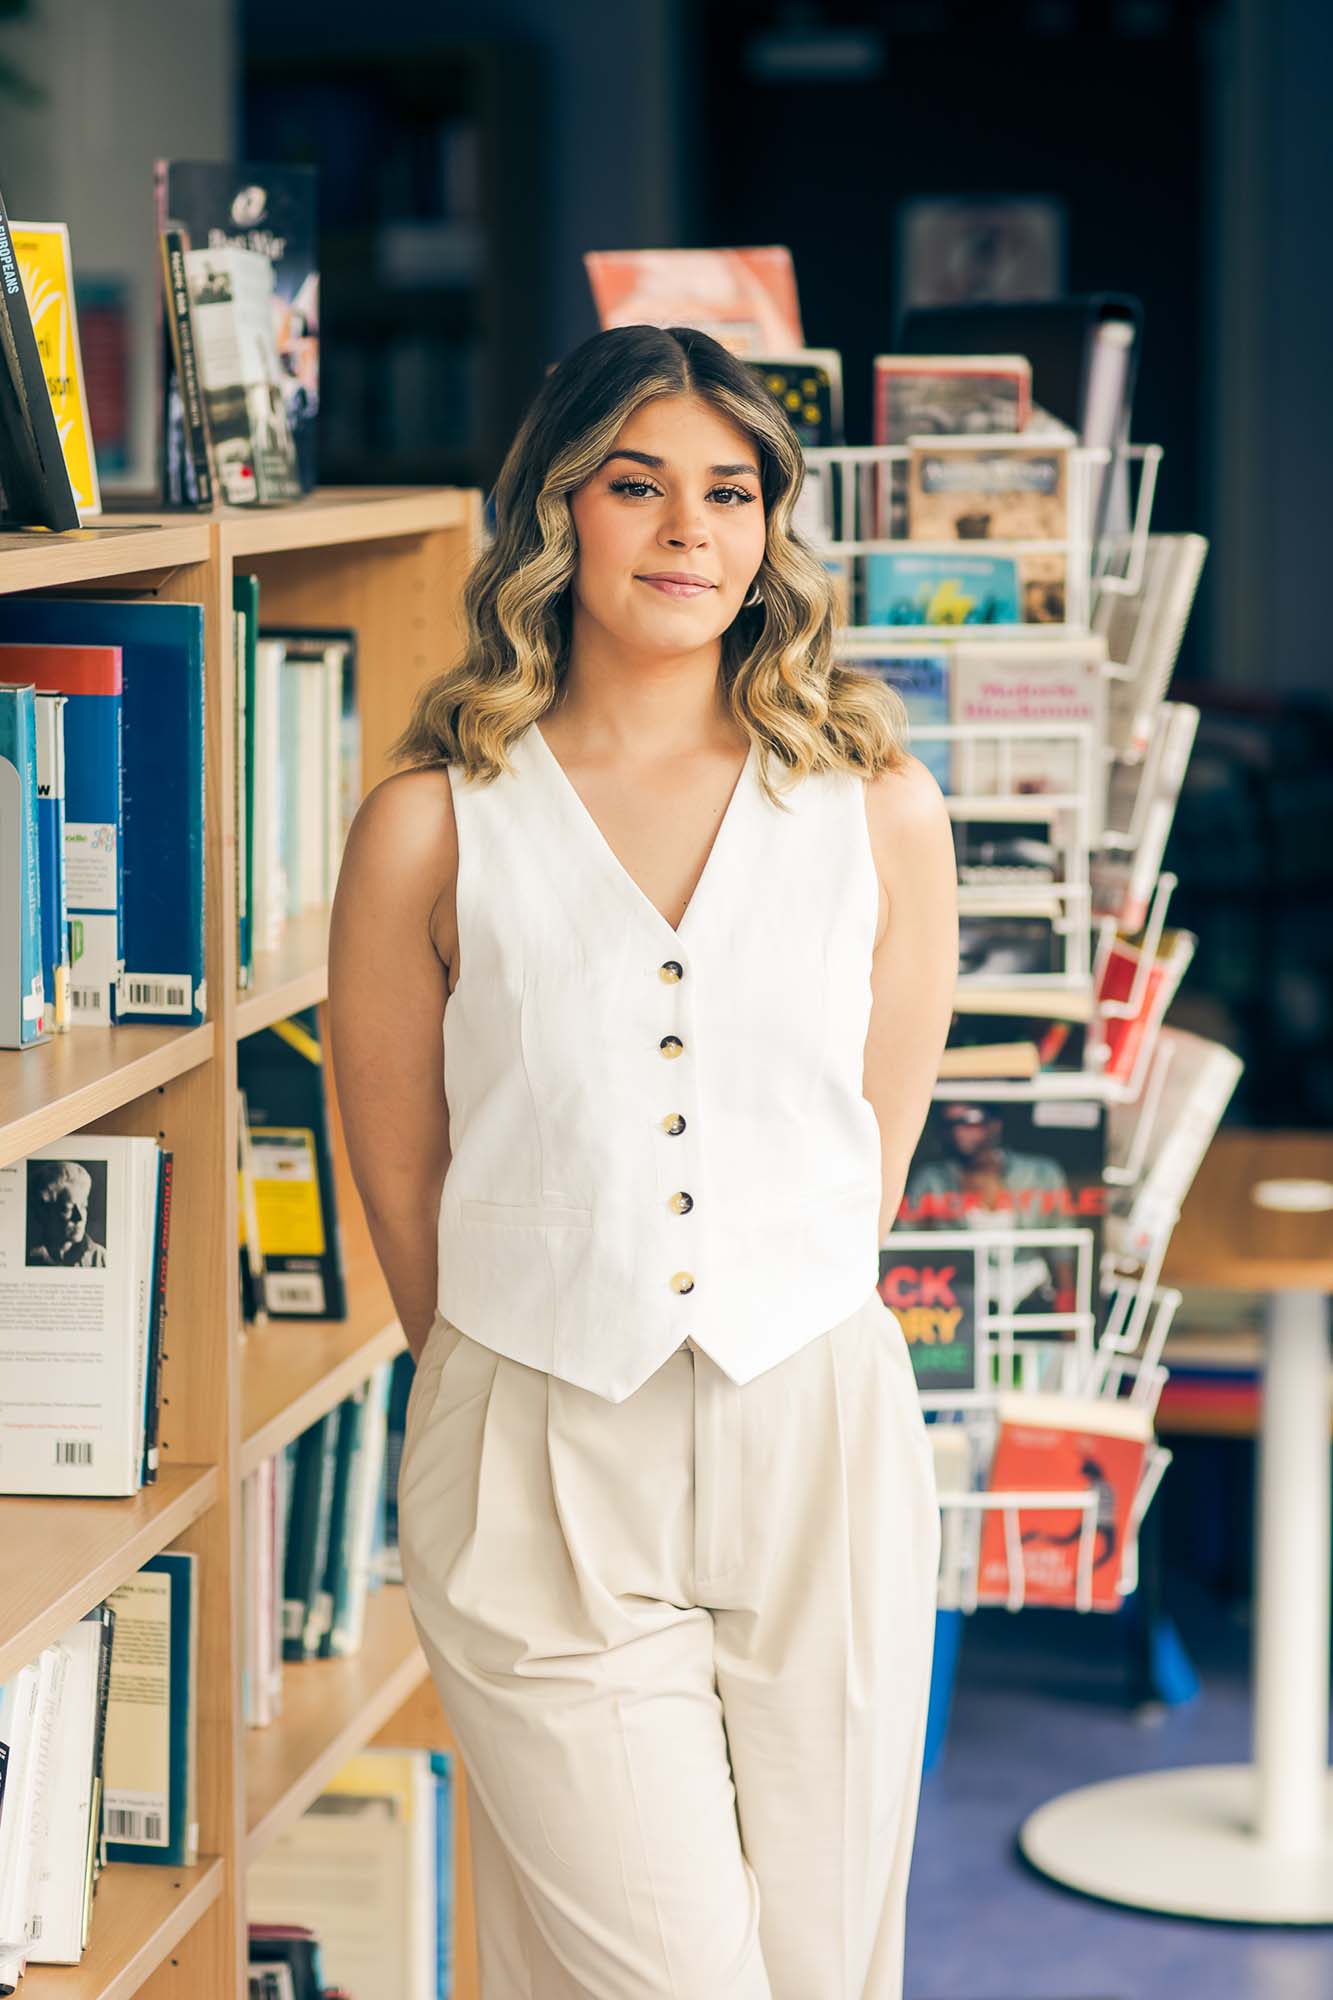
(1248, 1843)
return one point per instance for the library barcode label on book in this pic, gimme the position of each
(88, 1000)
(295, 1291)
(125, 1823)
(160, 992)
(74, 1451)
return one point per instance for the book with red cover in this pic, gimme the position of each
(1063, 1444)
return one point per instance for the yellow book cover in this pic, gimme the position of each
(44, 264)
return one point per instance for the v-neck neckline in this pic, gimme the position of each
(611, 862)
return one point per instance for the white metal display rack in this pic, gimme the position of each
(844, 499)
(843, 504)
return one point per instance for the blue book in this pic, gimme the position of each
(92, 677)
(442, 1770)
(51, 846)
(941, 589)
(22, 992)
(151, 1813)
(922, 679)
(162, 654)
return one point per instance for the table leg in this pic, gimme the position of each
(1291, 1624)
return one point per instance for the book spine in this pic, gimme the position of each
(158, 1328)
(23, 1010)
(180, 331)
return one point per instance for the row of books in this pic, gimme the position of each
(297, 758)
(98, 1761)
(102, 760)
(357, 1898)
(319, 1535)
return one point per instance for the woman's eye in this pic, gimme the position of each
(637, 488)
(741, 493)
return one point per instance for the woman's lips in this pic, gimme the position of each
(674, 586)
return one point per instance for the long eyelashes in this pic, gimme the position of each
(636, 488)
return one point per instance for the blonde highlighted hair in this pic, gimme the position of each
(781, 681)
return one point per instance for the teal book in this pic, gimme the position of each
(150, 1764)
(351, 1416)
(23, 999)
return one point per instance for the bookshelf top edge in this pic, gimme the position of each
(331, 516)
(115, 546)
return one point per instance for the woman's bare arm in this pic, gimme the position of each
(915, 967)
(387, 993)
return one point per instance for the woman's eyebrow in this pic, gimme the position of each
(659, 464)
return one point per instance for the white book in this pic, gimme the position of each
(34, 1723)
(1143, 634)
(1200, 1079)
(270, 887)
(363, 1505)
(1053, 681)
(335, 657)
(72, 1330)
(347, 1872)
(62, 1859)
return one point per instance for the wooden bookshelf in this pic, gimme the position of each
(139, 1916)
(330, 1709)
(389, 563)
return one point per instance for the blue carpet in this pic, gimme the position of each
(1044, 1705)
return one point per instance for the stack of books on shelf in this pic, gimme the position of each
(362, 1884)
(102, 759)
(98, 1761)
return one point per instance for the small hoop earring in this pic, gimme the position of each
(756, 596)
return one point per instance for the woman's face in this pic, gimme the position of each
(678, 497)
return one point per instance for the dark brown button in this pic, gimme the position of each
(671, 971)
(673, 1123)
(671, 1045)
(682, 1202)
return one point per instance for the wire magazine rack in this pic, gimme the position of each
(845, 501)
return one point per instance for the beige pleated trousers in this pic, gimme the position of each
(684, 1643)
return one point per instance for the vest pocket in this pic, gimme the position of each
(540, 1215)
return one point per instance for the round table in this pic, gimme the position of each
(1250, 1843)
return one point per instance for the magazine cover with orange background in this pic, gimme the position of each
(744, 298)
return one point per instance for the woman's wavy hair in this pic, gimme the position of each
(782, 683)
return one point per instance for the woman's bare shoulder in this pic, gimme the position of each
(911, 832)
(402, 845)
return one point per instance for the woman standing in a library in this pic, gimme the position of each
(683, 909)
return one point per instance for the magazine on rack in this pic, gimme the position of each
(807, 388)
(1123, 883)
(1143, 633)
(1015, 1163)
(1063, 1444)
(745, 298)
(943, 395)
(975, 489)
(1199, 1082)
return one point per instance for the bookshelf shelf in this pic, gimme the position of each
(390, 563)
(122, 548)
(330, 1709)
(293, 975)
(63, 1084)
(294, 1370)
(338, 515)
(139, 1914)
(60, 1557)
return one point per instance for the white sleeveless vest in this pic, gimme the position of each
(658, 1134)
